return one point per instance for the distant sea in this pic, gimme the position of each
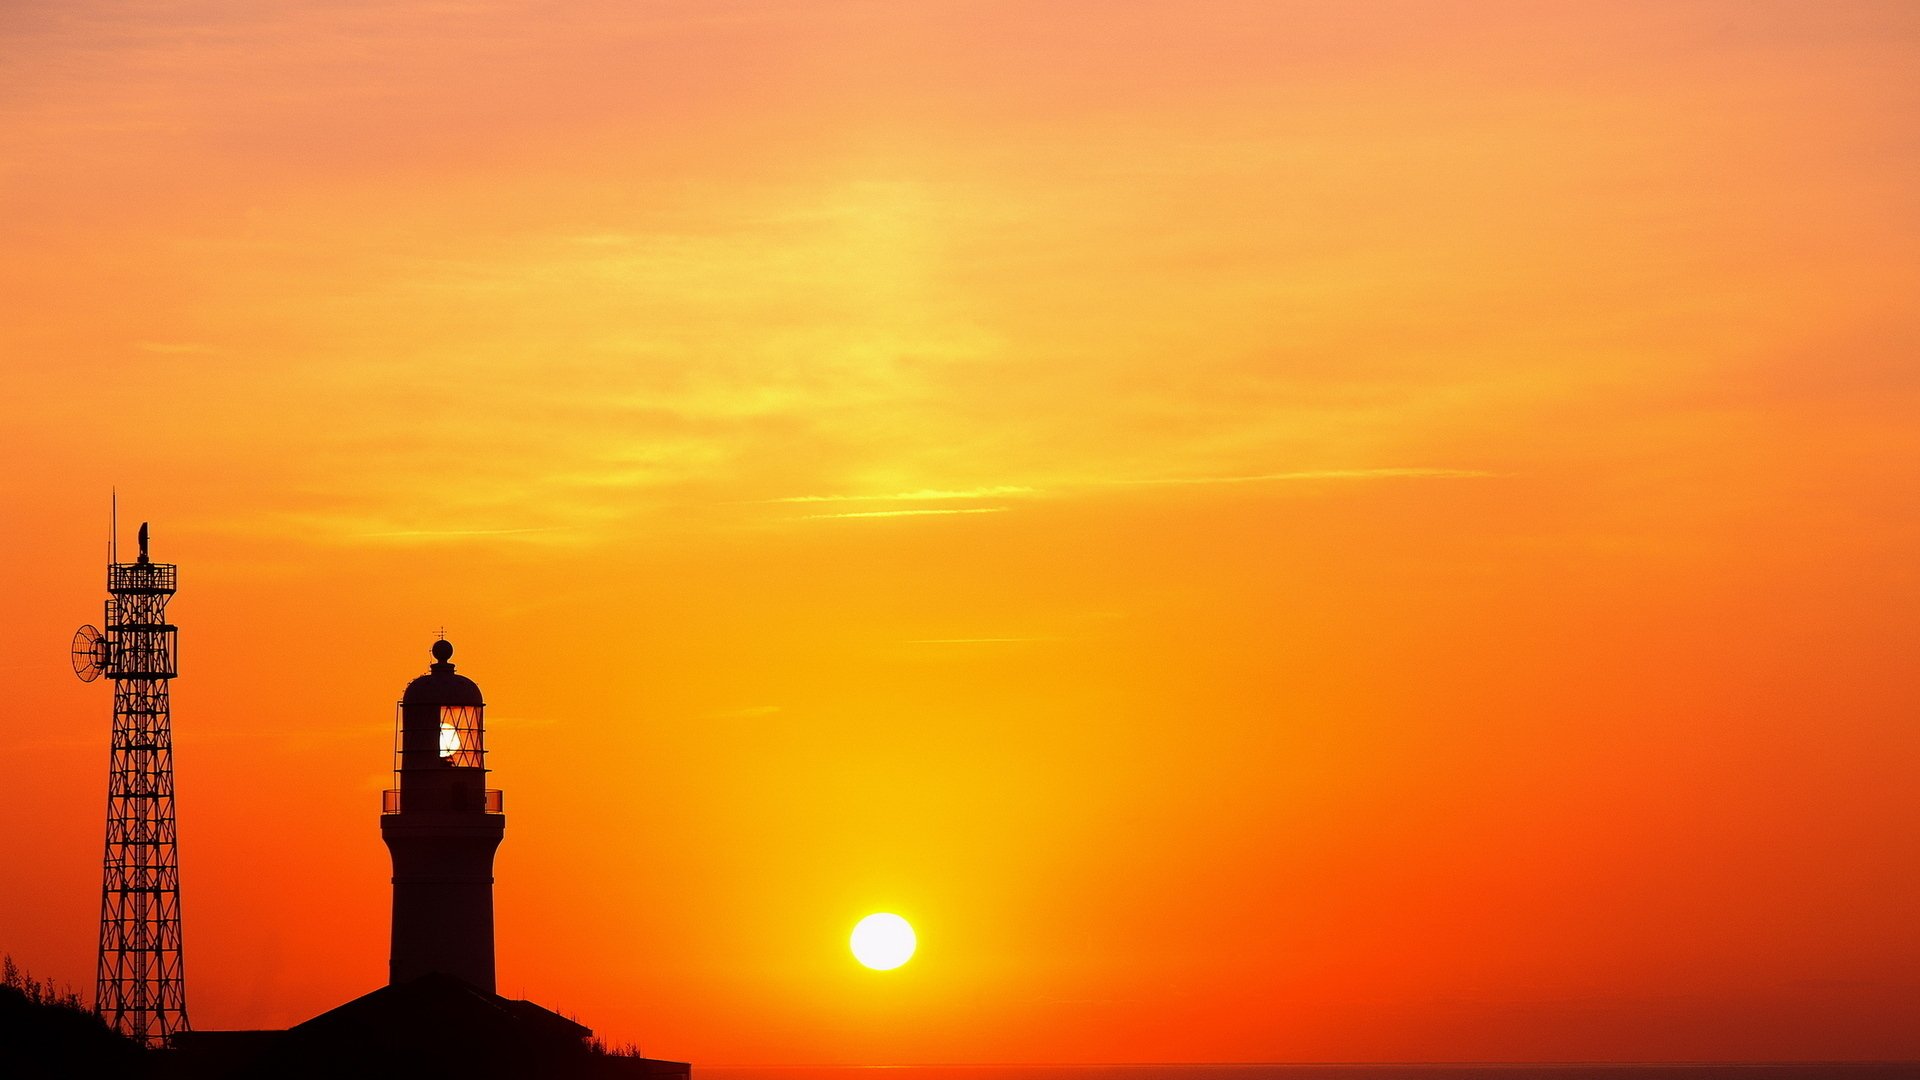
(1889, 1071)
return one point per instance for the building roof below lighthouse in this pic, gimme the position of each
(430, 1027)
(444, 1009)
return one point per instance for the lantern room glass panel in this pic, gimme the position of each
(461, 736)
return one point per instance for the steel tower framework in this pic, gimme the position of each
(141, 987)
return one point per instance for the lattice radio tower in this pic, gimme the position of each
(141, 988)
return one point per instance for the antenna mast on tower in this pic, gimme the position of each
(141, 988)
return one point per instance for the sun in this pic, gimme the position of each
(883, 941)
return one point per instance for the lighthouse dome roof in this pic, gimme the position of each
(441, 685)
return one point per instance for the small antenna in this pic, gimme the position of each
(113, 526)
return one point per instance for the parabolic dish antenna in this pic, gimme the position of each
(89, 653)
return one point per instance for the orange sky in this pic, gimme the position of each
(1268, 530)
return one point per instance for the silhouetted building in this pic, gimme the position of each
(438, 1015)
(423, 1029)
(442, 825)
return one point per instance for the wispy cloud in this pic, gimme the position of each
(924, 494)
(1020, 490)
(457, 533)
(908, 513)
(174, 348)
(603, 240)
(1325, 474)
(748, 712)
(976, 640)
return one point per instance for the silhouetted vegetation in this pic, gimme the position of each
(601, 1048)
(47, 1031)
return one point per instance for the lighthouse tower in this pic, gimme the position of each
(442, 824)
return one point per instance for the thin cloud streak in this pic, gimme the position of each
(174, 348)
(1323, 474)
(428, 533)
(1006, 490)
(992, 492)
(976, 640)
(748, 712)
(907, 513)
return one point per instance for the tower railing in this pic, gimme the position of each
(495, 801)
(142, 577)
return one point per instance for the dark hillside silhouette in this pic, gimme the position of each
(47, 1032)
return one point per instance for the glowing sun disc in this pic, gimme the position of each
(883, 941)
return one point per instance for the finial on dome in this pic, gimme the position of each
(443, 650)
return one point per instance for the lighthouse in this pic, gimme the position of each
(442, 824)
(438, 1015)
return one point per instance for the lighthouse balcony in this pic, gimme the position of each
(494, 802)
